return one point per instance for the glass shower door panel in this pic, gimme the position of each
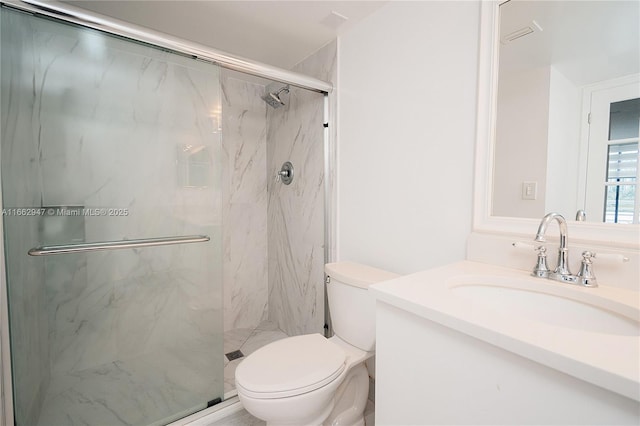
(105, 139)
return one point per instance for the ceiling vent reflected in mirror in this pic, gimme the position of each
(529, 29)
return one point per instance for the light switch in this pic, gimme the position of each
(529, 190)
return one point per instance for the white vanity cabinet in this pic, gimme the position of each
(442, 358)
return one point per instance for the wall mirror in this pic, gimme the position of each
(559, 116)
(568, 110)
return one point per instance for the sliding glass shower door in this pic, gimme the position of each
(107, 140)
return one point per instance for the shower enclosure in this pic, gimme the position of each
(105, 140)
(138, 240)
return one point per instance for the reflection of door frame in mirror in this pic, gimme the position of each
(614, 90)
(614, 235)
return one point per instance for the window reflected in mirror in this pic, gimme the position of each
(621, 202)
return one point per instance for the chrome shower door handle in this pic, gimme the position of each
(115, 245)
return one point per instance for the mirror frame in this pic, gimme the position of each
(603, 234)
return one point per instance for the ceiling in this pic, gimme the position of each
(587, 41)
(280, 33)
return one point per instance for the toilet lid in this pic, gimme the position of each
(290, 366)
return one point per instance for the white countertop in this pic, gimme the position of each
(606, 360)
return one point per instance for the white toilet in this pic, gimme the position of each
(311, 380)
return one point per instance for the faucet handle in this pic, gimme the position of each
(541, 269)
(619, 258)
(586, 276)
(525, 246)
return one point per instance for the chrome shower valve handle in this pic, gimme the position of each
(285, 174)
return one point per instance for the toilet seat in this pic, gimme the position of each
(290, 367)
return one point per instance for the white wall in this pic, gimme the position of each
(522, 125)
(563, 147)
(537, 139)
(407, 107)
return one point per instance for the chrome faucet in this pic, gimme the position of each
(563, 252)
(562, 273)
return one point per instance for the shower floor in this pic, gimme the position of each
(147, 390)
(247, 340)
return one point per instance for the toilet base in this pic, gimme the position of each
(308, 409)
(351, 399)
(316, 422)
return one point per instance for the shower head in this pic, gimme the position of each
(274, 98)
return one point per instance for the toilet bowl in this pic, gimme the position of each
(312, 380)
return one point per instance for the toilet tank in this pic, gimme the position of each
(351, 307)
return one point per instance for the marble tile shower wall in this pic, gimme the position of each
(296, 212)
(108, 124)
(135, 302)
(244, 208)
(20, 129)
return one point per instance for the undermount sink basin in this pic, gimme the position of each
(551, 309)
